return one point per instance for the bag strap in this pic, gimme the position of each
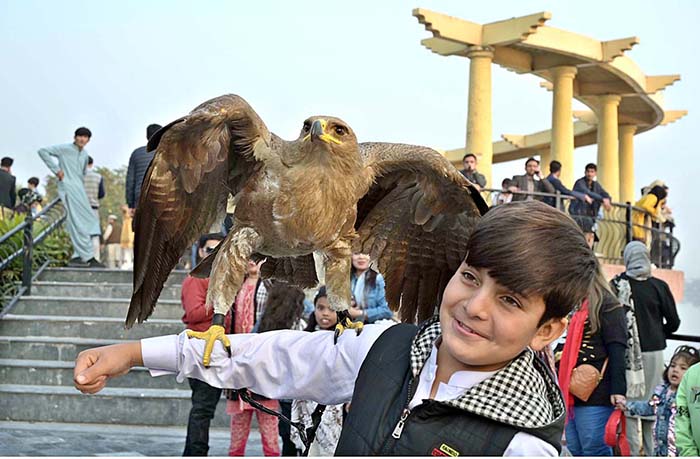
(307, 435)
(602, 370)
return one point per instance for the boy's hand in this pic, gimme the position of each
(60, 175)
(94, 366)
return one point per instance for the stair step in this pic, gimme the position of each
(89, 307)
(100, 275)
(158, 407)
(60, 373)
(85, 327)
(96, 290)
(48, 347)
(114, 440)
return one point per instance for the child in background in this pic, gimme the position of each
(663, 402)
(328, 432)
(688, 417)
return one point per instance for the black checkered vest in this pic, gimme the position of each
(379, 425)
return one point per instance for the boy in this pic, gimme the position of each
(466, 383)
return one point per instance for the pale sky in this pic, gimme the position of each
(116, 66)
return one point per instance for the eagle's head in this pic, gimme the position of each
(328, 138)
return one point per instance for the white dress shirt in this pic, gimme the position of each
(299, 365)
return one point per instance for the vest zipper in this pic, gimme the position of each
(396, 434)
(399, 426)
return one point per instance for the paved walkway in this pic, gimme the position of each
(54, 439)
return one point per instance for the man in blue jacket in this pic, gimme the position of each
(138, 164)
(553, 178)
(590, 187)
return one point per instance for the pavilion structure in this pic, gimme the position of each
(623, 100)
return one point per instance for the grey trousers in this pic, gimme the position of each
(642, 426)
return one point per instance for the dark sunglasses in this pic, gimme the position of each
(209, 249)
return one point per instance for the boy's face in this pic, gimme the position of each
(81, 140)
(485, 326)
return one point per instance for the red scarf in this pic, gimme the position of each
(569, 355)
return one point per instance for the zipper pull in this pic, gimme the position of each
(399, 426)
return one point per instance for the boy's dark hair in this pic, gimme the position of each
(687, 353)
(33, 181)
(531, 158)
(506, 183)
(90, 160)
(6, 162)
(554, 166)
(468, 155)
(83, 131)
(152, 129)
(511, 242)
(591, 166)
(283, 308)
(209, 237)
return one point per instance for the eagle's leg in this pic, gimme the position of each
(227, 274)
(337, 263)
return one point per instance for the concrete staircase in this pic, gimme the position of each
(71, 310)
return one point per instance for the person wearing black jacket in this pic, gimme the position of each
(603, 345)
(657, 318)
(138, 164)
(8, 193)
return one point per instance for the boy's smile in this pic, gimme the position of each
(485, 326)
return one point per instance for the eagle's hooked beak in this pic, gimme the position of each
(317, 132)
(317, 129)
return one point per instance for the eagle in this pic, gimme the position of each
(404, 205)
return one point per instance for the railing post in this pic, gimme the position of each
(558, 200)
(628, 221)
(28, 246)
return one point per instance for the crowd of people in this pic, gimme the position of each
(81, 188)
(587, 200)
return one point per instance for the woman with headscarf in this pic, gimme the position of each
(652, 306)
(651, 203)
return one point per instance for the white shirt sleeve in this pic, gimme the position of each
(279, 365)
(525, 444)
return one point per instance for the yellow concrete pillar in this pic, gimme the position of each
(545, 159)
(627, 191)
(608, 158)
(563, 122)
(479, 124)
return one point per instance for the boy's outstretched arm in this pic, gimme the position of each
(279, 364)
(94, 366)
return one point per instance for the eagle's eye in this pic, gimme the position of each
(307, 126)
(341, 130)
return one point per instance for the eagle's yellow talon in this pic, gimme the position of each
(211, 336)
(344, 323)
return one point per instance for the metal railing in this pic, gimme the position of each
(24, 254)
(615, 228)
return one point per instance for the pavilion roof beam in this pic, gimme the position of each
(655, 83)
(616, 48)
(470, 33)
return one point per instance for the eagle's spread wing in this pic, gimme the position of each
(199, 159)
(415, 222)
